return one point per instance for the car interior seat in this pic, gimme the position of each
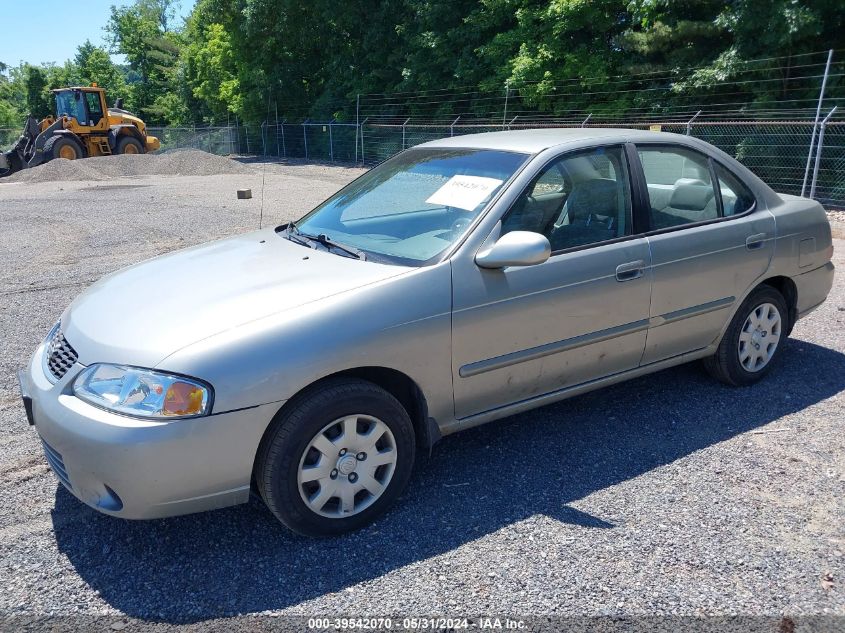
(591, 214)
(690, 202)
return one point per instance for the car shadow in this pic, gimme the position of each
(240, 560)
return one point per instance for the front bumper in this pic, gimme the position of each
(143, 469)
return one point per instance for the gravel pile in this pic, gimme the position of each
(59, 169)
(189, 162)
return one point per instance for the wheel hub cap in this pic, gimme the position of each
(347, 466)
(759, 337)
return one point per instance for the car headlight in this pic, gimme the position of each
(143, 393)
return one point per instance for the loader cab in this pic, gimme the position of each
(85, 106)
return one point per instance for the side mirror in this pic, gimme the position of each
(517, 248)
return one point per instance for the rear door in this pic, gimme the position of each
(709, 242)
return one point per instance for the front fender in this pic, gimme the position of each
(402, 323)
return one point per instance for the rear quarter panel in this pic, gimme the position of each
(804, 245)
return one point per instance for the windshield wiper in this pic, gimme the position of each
(294, 233)
(326, 241)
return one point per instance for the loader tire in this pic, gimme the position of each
(63, 147)
(129, 145)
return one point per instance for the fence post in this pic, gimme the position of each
(819, 151)
(276, 108)
(246, 136)
(264, 137)
(284, 149)
(689, 123)
(237, 134)
(362, 139)
(452, 127)
(816, 122)
(305, 138)
(584, 122)
(403, 132)
(331, 142)
(505, 113)
(357, 124)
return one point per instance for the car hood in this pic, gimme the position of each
(144, 313)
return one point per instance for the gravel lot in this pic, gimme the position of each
(669, 494)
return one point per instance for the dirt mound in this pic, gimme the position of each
(59, 169)
(188, 162)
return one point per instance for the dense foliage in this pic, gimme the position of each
(243, 57)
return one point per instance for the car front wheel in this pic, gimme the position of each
(753, 340)
(336, 457)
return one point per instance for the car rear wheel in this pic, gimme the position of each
(753, 340)
(336, 457)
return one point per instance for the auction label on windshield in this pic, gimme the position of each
(464, 192)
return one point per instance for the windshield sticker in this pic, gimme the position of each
(464, 192)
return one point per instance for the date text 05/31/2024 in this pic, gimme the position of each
(412, 624)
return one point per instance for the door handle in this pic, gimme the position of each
(755, 241)
(629, 271)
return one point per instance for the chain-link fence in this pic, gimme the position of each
(775, 150)
(787, 135)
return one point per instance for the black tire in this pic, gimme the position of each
(291, 433)
(725, 364)
(129, 141)
(54, 147)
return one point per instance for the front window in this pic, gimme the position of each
(413, 207)
(582, 198)
(69, 103)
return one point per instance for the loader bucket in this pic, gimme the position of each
(9, 163)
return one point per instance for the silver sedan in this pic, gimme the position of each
(459, 282)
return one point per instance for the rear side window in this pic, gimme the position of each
(680, 189)
(736, 198)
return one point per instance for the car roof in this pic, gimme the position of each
(536, 140)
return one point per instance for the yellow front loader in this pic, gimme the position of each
(83, 126)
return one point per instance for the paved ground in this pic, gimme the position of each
(668, 494)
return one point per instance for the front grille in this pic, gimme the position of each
(60, 355)
(56, 463)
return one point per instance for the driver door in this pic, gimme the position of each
(522, 332)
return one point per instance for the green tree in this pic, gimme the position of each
(10, 117)
(211, 70)
(37, 100)
(93, 65)
(143, 33)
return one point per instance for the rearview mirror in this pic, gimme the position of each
(517, 248)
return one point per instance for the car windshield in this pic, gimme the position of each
(411, 208)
